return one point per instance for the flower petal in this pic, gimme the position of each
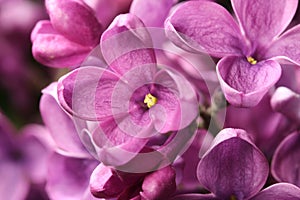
(194, 25)
(286, 46)
(74, 20)
(263, 20)
(136, 51)
(233, 166)
(245, 84)
(76, 174)
(286, 160)
(177, 104)
(159, 11)
(279, 191)
(54, 50)
(86, 92)
(57, 120)
(287, 102)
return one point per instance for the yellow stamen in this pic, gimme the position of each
(150, 100)
(251, 60)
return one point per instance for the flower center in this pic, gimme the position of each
(150, 100)
(251, 60)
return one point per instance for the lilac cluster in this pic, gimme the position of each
(161, 99)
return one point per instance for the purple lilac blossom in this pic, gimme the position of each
(78, 167)
(249, 49)
(73, 30)
(133, 99)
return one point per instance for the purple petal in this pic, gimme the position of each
(245, 84)
(136, 51)
(177, 104)
(86, 92)
(286, 160)
(159, 11)
(286, 46)
(68, 178)
(54, 50)
(279, 191)
(263, 20)
(60, 124)
(233, 166)
(74, 20)
(287, 102)
(193, 24)
(159, 184)
(14, 184)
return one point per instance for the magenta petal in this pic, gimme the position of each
(60, 124)
(127, 44)
(287, 102)
(54, 50)
(286, 46)
(159, 11)
(193, 24)
(68, 177)
(286, 160)
(177, 104)
(159, 184)
(245, 84)
(233, 166)
(279, 191)
(86, 92)
(75, 20)
(263, 20)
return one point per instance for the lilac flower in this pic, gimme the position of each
(132, 100)
(247, 69)
(71, 166)
(23, 159)
(234, 168)
(73, 31)
(286, 160)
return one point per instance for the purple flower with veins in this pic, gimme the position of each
(249, 48)
(81, 178)
(235, 169)
(133, 99)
